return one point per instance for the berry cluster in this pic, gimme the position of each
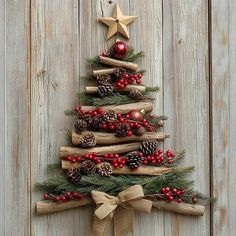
(176, 194)
(95, 112)
(160, 158)
(90, 156)
(127, 79)
(63, 198)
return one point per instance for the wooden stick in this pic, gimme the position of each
(110, 138)
(104, 71)
(121, 148)
(181, 208)
(118, 63)
(142, 170)
(147, 106)
(52, 207)
(94, 89)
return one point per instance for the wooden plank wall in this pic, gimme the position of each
(190, 49)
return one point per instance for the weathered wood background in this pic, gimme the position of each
(190, 49)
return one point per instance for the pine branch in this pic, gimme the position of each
(87, 77)
(69, 112)
(53, 166)
(132, 56)
(152, 89)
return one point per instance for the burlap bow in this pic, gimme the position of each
(121, 208)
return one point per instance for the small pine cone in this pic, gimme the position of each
(148, 147)
(105, 90)
(80, 126)
(103, 78)
(139, 132)
(88, 140)
(110, 115)
(119, 71)
(134, 159)
(105, 169)
(161, 123)
(122, 129)
(97, 122)
(88, 167)
(74, 175)
(135, 93)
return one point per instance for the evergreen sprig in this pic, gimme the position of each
(131, 56)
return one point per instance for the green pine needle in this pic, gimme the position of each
(152, 89)
(69, 112)
(132, 56)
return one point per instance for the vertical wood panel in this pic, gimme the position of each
(14, 118)
(223, 116)
(54, 86)
(186, 92)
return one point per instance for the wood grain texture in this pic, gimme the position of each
(186, 98)
(15, 118)
(223, 18)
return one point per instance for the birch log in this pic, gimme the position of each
(94, 89)
(142, 170)
(147, 106)
(110, 138)
(121, 148)
(104, 71)
(181, 208)
(118, 63)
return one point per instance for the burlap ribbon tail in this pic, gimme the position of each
(119, 208)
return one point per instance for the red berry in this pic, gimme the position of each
(45, 196)
(123, 161)
(67, 194)
(78, 158)
(98, 161)
(112, 127)
(128, 116)
(182, 191)
(179, 200)
(104, 125)
(75, 194)
(170, 198)
(63, 199)
(178, 193)
(145, 124)
(129, 133)
(139, 76)
(57, 199)
(99, 110)
(105, 156)
(121, 165)
(174, 190)
(125, 76)
(151, 115)
(194, 200)
(121, 120)
(141, 154)
(167, 189)
(163, 190)
(170, 161)
(115, 165)
(116, 155)
(69, 158)
(73, 160)
(167, 194)
(131, 125)
(86, 156)
(145, 162)
(118, 115)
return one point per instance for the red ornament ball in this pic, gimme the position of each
(136, 115)
(119, 50)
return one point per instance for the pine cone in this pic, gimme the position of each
(97, 122)
(110, 115)
(122, 129)
(103, 78)
(139, 132)
(105, 169)
(161, 123)
(134, 159)
(88, 167)
(80, 125)
(148, 147)
(119, 71)
(135, 93)
(74, 175)
(88, 140)
(105, 90)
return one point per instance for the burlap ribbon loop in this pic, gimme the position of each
(128, 200)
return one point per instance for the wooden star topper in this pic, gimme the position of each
(117, 23)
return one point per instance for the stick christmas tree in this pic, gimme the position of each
(115, 161)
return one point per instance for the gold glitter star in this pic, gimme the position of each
(117, 23)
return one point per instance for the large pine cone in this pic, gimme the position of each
(148, 147)
(135, 93)
(139, 132)
(105, 169)
(110, 115)
(105, 90)
(74, 175)
(88, 140)
(97, 122)
(134, 159)
(103, 78)
(122, 129)
(119, 71)
(88, 167)
(80, 125)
